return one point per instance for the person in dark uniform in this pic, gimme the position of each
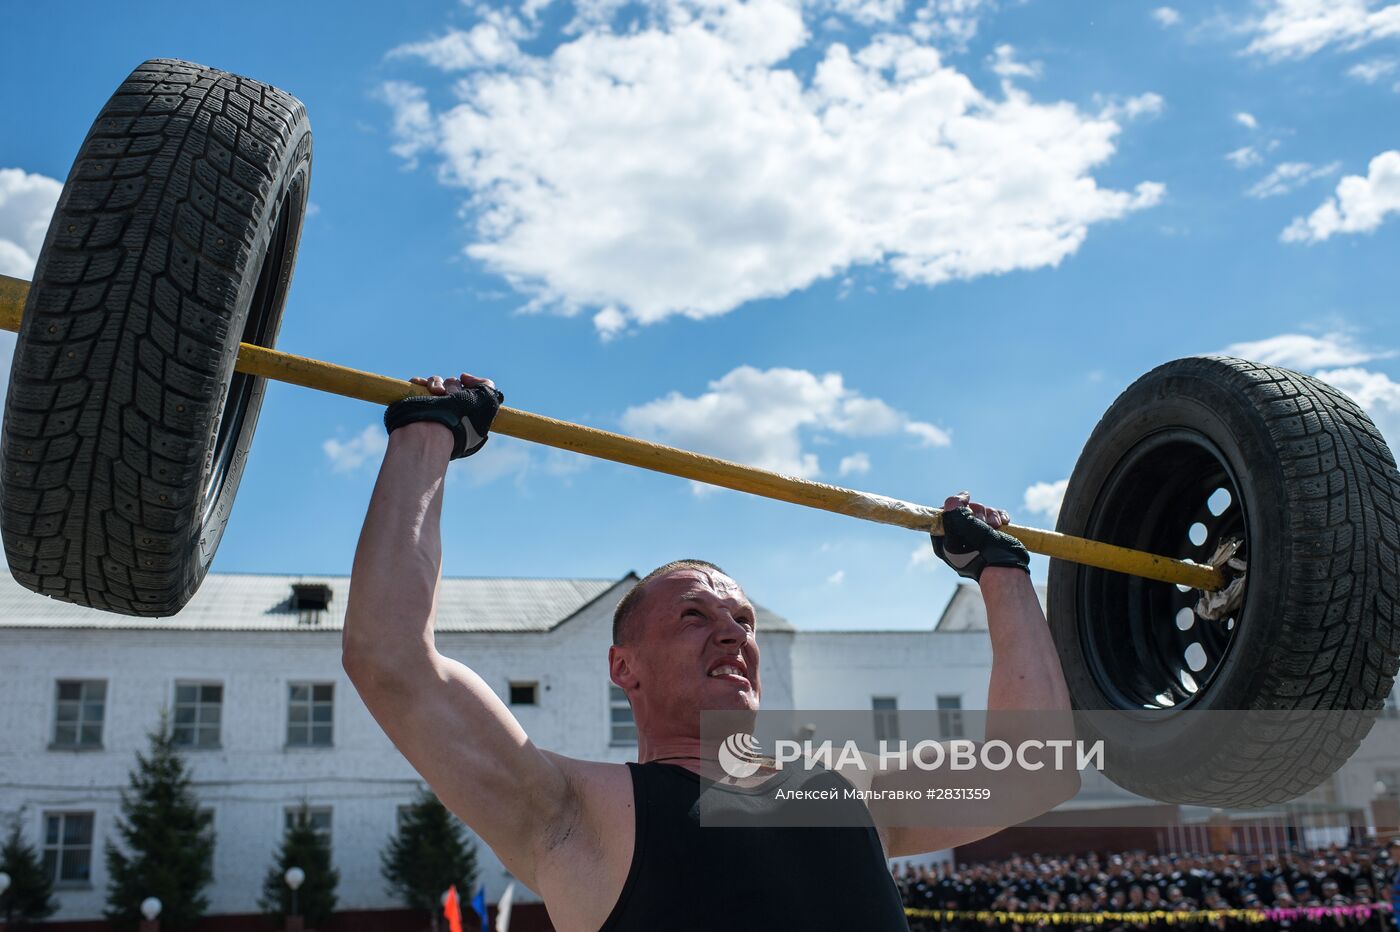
(620, 847)
(1393, 851)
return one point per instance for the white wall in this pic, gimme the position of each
(844, 669)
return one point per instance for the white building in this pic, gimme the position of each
(250, 673)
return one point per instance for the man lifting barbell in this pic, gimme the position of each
(621, 847)
(147, 338)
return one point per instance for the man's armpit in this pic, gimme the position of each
(560, 826)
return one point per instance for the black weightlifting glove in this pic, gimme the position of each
(969, 545)
(467, 412)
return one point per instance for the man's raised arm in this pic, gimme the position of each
(443, 717)
(1027, 699)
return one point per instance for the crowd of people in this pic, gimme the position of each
(1138, 883)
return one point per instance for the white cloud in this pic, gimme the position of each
(869, 12)
(609, 322)
(857, 464)
(485, 45)
(951, 23)
(1375, 392)
(1132, 108)
(759, 417)
(1003, 63)
(1298, 28)
(413, 129)
(1045, 497)
(1244, 157)
(673, 165)
(350, 455)
(928, 434)
(1246, 120)
(1360, 204)
(836, 578)
(1373, 70)
(26, 206)
(1289, 176)
(1300, 351)
(1166, 16)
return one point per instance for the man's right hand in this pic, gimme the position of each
(465, 405)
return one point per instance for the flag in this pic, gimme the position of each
(479, 905)
(452, 909)
(503, 908)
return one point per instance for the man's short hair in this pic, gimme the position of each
(622, 630)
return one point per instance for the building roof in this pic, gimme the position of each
(263, 602)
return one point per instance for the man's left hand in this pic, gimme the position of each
(465, 405)
(971, 541)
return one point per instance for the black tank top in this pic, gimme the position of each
(687, 877)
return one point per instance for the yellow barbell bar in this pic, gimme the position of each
(511, 422)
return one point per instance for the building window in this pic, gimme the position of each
(524, 693)
(623, 726)
(78, 712)
(68, 847)
(319, 818)
(198, 713)
(886, 713)
(309, 714)
(950, 719)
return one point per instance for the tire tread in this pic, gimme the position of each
(127, 330)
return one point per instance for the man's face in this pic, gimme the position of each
(693, 648)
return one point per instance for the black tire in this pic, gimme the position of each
(126, 430)
(1317, 502)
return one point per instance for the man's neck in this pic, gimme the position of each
(694, 755)
(678, 748)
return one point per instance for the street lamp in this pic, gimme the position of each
(150, 908)
(294, 877)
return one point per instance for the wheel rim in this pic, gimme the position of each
(259, 329)
(1174, 494)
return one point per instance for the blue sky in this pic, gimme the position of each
(910, 247)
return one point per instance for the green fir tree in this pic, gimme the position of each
(167, 844)
(429, 853)
(29, 898)
(304, 847)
